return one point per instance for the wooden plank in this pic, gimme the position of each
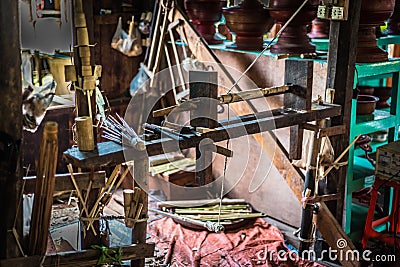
(64, 183)
(204, 86)
(340, 75)
(333, 233)
(83, 258)
(299, 73)
(141, 176)
(10, 127)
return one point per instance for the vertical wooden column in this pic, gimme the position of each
(299, 73)
(204, 87)
(340, 76)
(306, 230)
(10, 128)
(141, 176)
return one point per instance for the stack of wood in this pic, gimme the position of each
(132, 206)
(45, 180)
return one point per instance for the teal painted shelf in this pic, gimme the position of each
(360, 171)
(379, 120)
(383, 42)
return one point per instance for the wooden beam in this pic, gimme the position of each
(10, 128)
(141, 176)
(204, 87)
(299, 73)
(335, 236)
(83, 258)
(64, 183)
(340, 76)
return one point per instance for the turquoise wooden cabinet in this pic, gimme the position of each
(360, 170)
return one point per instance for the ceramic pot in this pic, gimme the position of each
(384, 93)
(366, 104)
(366, 90)
(249, 21)
(319, 29)
(204, 14)
(373, 13)
(294, 39)
(394, 20)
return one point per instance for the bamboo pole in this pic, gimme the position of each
(45, 180)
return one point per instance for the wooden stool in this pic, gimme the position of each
(393, 218)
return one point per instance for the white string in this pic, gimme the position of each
(268, 46)
(236, 83)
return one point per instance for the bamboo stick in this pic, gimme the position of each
(133, 206)
(227, 216)
(198, 203)
(78, 192)
(44, 190)
(110, 181)
(128, 196)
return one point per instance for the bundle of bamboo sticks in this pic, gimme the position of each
(120, 132)
(132, 206)
(45, 180)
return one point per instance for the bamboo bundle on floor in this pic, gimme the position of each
(45, 180)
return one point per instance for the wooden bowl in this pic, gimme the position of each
(366, 90)
(366, 104)
(383, 93)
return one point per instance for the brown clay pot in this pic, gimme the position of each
(373, 13)
(366, 104)
(249, 21)
(204, 14)
(294, 39)
(394, 20)
(366, 90)
(319, 29)
(384, 93)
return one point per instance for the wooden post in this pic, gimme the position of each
(298, 73)
(204, 86)
(141, 176)
(10, 129)
(340, 76)
(306, 229)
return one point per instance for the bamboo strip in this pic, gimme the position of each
(110, 181)
(226, 216)
(44, 190)
(78, 192)
(128, 196)
(134, 204)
